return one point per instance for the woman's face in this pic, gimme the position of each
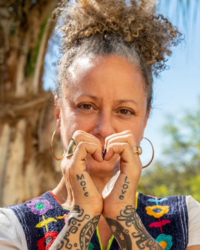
(106, 95)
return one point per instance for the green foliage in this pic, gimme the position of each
(179, 170)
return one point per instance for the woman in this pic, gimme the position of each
(102, 105)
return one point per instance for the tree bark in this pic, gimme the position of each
(27, 167)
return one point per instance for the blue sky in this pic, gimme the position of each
(176, 89)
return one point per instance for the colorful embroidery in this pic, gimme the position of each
(157, 211)
(160, 223)
(39, 206)
(165, 241)
(46, 242)
(45, 222)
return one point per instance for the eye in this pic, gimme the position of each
(85, 106)
(126, 112)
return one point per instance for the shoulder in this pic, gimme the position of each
(193, 207)
(11, 232)
(184, 211)
(41, 219)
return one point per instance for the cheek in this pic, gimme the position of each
(68, 127)
(138, 131)
(70, 123)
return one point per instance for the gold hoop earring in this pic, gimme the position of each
(52, 138)
(152, 153)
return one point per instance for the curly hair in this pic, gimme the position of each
(131, 29)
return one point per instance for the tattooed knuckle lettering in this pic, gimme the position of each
(124, 188)
(83, 184)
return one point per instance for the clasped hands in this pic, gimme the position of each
(120, 190)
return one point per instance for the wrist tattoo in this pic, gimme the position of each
(82, 181)
(87, 232)
(124, 188)
(73, 228)
(121, 234)
(136, 229)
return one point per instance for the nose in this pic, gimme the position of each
(105, 125)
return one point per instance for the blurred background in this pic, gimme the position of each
(28, 54)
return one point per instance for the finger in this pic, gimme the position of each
(81, 136)
(128, 158)
(83, 149)
(126, 136)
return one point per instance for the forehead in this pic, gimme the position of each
(113, 73)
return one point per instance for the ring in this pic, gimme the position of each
(71, 148)
(137, 150)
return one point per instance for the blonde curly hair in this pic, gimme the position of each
(131, 29)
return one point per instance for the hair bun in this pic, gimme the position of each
(135, 21)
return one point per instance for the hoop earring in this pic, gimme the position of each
(52, 138)
(152, 153)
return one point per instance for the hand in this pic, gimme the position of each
(81, 189)
(121, 189)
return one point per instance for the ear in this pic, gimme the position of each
(57, 112)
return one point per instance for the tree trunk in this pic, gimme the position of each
(27, 167)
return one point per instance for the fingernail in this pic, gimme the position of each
(104, 154)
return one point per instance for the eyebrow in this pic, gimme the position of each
(90, 96)
(118, 101)
(126, 100)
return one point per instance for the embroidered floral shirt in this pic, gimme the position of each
(166, 219)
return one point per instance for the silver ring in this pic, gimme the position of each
(71, 148)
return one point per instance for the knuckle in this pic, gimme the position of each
(81, 145)
(127, 145)
(106, 140)
(76, 134)
(129, 132)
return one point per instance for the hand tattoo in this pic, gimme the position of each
(74, 235)
(82, 183)
(124, 188)
(87, 232)
(120, 233)
(136, 229)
